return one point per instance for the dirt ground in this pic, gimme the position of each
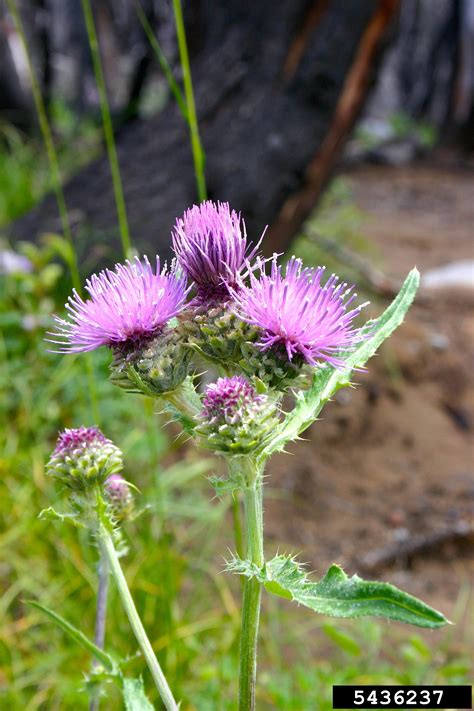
(384, 483)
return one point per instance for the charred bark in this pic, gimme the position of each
(278, 87)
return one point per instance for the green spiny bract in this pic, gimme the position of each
(156, 366)
(220, 337)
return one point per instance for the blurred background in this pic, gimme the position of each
(347, 127)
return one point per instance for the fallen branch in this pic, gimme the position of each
(405, 551)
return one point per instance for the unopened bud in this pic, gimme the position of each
(119, 496)
(84, 457)
(235, 418)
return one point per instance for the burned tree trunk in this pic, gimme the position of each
(278, 87)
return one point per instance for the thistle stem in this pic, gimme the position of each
(236, 517)
(253, 510)
(109, 552)
(101, 614)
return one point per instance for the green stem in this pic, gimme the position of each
(53, 161)
(108, 549)
(162, 61)
(198, 153)
(236, 516)
(47, 134)
(253, 510)
(108, 128)
(101, 616)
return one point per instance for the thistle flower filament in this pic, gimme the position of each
(210, 244)
(296, 311)
(125, 305)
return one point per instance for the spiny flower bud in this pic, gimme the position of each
(154, 367)
(119, 495)
(235, 418)
(83, 458)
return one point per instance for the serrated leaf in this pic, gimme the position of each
(134, 696)
(77, 636)
(338, 595)
(327, 380)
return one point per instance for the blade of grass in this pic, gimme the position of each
(198, 153)
(162, 61)
(47, 135)
(75, 634)
(49, 145)
(108, 128)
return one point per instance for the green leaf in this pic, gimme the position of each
(77, 636)
(134, 696)
(338, 595)
(327, 380)
(50, 514)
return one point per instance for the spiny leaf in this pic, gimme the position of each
(50, 514)
(77, 636)
(338, 595)
(327, 380)
(134, 696)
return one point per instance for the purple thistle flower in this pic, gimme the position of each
(227, 399)
(210, 244)
(127, 304)
(299, 313)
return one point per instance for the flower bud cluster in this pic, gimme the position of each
(271, 323)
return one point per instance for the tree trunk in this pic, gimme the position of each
(278, 87)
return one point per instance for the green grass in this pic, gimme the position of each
(176, 548)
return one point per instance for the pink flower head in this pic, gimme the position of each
(227, 399)
(72, 440)
(296, 311)
(210, 244)
(127, 304)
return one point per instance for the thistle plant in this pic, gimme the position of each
(271, 330)
(89, 467)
